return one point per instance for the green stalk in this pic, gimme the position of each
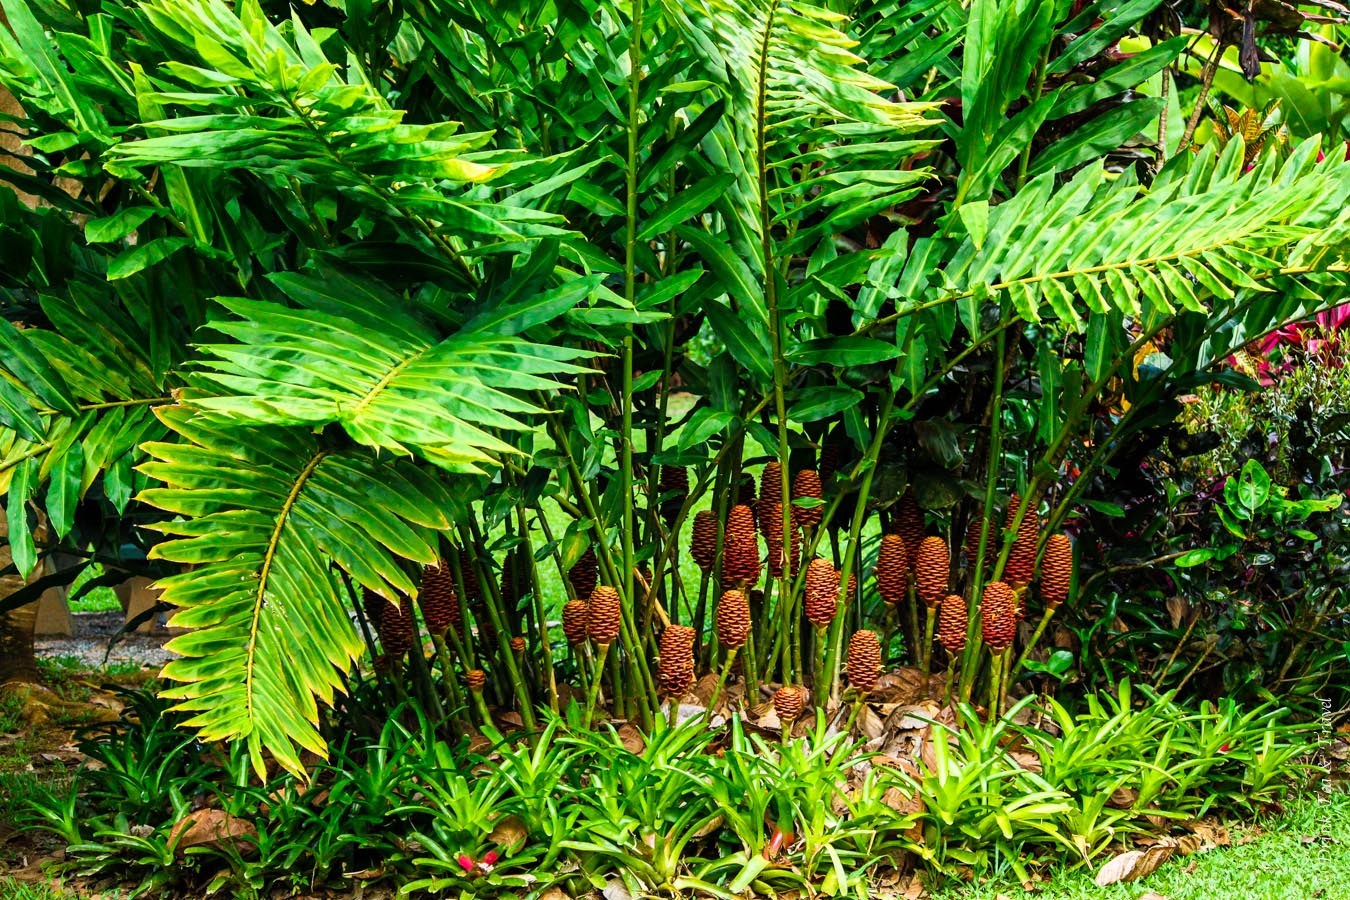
(995, 683)
(462, 639)
(597, 676)
(480, 706)
(1035, 639)
(770, 267)
(630, 294)
(868, 466)
(853, 714)
(396, 679)
(928, 645)
(699, 617)
(913, 637)
(448, 674)
(492, 602)
(751, 675)
(970, 656)
(579, 653)
(540, 620)
(819, 684)
(1025, 161)
(421, 672)
(721, 683)
(365, 629)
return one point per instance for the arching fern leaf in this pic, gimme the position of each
(268, 515)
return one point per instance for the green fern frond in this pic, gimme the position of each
(1203, 229)
(801, 99)
(350, 354)
(266, 517)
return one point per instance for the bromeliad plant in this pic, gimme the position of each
(340, 294)
(670, 814)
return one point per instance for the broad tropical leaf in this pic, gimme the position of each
(266, 516)
(350, 353)
(1204, 229)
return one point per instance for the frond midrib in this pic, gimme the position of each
(269, 555)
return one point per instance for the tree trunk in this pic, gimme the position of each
(16, 626)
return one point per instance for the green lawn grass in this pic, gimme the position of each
(1302, 855)
(12, 889)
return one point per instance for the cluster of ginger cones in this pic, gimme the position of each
(910, 565)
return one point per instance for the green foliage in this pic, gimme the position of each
(1243, 515)
(580, 809)
(326, 294)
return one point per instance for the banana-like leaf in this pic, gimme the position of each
(265, 517)
(352, 354)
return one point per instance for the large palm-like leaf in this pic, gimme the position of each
(78, 376)
(1204, 228)
(800, 99)
(267, 514)
(353, 355)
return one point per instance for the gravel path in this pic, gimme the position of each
(90, 642)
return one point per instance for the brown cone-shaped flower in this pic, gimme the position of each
(806, 486)
(740, 548)
(733, 619)
(372, 604)
(603, 615)
(675, 673)
(745, 491)
(473, 591)
(703, 539)
(771, 483)
(829, 459)
(574, 616)
(1022, 560)
(475, 679)
(852, 593)
(788, 702)
(1056, 569)
(673, 487)
(972, 544)
(383, 664)
(440, 605)
(864, 660)
(394, 623)
(487, 631)
(891, 565)
(952, 623)
(741, 520)
(998, 616)
(822, 592)
(909, 525)
(583, 575)
(933, 571)
(774, 538)
(517, 645)
(510, 596)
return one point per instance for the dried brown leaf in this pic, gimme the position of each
(509, 833)
(213, 827)
(1123, 798)
(1178, 609)
(631, 738)
(1133, 865)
